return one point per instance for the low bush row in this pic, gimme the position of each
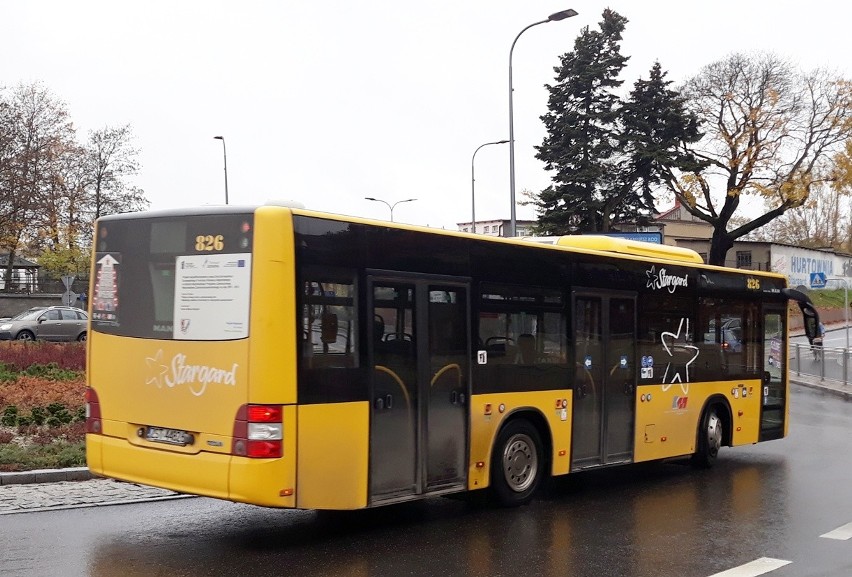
(18, 356)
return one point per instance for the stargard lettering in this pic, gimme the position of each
(202, 375)
(663, 280)
(195, 377)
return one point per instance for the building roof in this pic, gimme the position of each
(17, 262)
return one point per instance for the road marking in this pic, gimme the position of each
(754, 568)
(841, 533)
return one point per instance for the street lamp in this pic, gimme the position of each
(472, 185)
(552, 18)
(845, 305)
(225, 157)
(390, 206)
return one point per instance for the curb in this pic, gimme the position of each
(843, 394)
(46, 476)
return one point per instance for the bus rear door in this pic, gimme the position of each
(419, 351)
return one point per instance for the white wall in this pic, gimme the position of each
(798, 264)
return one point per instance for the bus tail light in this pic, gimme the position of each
(93, 412)
(259, 432)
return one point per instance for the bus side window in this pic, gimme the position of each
(329, 323)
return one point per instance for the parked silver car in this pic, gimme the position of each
(46, 323)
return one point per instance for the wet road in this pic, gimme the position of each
(779, 500)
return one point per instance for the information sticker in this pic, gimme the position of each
(212, 296)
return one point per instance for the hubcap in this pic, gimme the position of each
(714, 434)
(520, 463)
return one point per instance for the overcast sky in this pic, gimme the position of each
(326, 103)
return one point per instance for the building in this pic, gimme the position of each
(24, 277)
(678, 224)
(497, 227)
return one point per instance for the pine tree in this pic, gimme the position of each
(656, 130)
(582, 126)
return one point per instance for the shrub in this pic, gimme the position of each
(7, 373)
(10, 416)
(51, 372)
(14, 457)
(42, 405)
(75, 432)
(28, 392)
(38, 415)
(18, 356)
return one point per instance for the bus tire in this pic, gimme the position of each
(710, 437)
(517, 465)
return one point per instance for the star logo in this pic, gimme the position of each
(671, 345)
(652, 277)
(156, 370)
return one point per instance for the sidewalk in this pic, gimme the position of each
(61, 494)
(828, 386)
(51, 490)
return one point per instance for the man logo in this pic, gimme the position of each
(184, 325)
(679, 403)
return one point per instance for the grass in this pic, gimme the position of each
(32, 454)
(828, 299)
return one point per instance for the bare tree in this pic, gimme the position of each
(769, 131)
(112, 161)
(36, 129)
(824, 220)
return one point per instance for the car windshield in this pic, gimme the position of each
(27, 315)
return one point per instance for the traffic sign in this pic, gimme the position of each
(69, 298)
(817, 280)
(67, 280)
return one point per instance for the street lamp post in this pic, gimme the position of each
(552, 18)
(473, 185)
(390, 206)
(225, 158)
(845, 306)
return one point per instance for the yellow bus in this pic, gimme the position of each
(290, 358)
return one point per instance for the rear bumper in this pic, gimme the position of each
(206, 474)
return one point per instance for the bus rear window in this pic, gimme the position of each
(182, 278)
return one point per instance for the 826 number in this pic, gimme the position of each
(209, 242)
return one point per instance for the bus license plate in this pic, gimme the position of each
(169, 436)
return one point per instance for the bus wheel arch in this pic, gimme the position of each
(520, 458)
(714, 431)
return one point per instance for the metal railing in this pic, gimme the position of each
(827, 363)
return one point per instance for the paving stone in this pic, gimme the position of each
(19, 498)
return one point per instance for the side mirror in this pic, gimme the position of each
(328, 328)
(809, 312)
(811, 318)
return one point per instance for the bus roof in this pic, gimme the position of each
(596, 244)
(621, 246)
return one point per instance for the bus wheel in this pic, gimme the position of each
(516, 466)
(710, 435)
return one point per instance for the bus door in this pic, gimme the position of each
(419, 361)
(604, 336)
(773, 409)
